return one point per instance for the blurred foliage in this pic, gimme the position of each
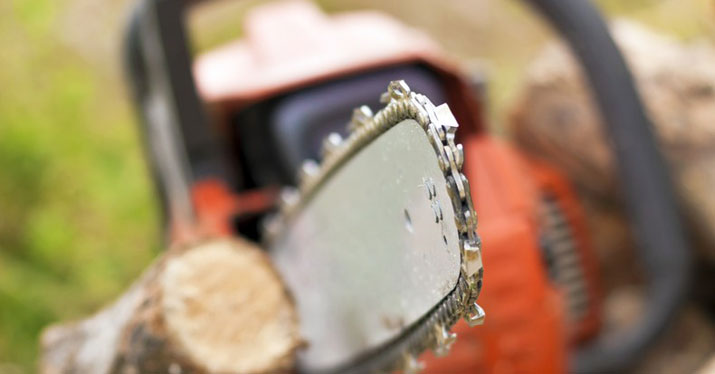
(78, 220)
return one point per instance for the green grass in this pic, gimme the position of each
(77, 217)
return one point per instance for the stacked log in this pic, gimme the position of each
(554, 118)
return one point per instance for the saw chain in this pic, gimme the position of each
(433, 329)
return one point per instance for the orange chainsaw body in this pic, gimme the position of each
(288, 46)
(524, 330)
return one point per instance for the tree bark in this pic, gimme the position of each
(216, 307)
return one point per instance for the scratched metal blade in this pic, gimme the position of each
(372, 251)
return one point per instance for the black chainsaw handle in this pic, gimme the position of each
(651, 202)
(178, 139)
(157, 57)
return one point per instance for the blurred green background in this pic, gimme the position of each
(78, 221)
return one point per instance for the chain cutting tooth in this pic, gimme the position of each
(361, 116)
(452, 165)
(410, 364)
(331, 143)
(443, 340)
(289, 196)
(471, 258)
(271, 225)
(384, 98)
(475, 315)
(308, 169)
(447, 123)
(398, 89)
(459, 156)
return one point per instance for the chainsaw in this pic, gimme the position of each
(358, 156)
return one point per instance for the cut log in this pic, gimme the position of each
(217, 307)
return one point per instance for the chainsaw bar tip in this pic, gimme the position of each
(438, 122)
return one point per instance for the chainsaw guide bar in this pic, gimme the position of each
(430, 329)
